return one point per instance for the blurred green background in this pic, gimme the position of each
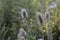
(11, 21)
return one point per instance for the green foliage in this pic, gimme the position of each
(10, 18)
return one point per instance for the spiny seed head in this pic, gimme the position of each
(40, 18)
(22, 34)
(24, 13)
(47, 15)
(22, 31)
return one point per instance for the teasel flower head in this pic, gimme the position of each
(24, 13)
(40, 19)
(47, 15)
(22, 34)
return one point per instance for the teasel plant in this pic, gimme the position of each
(24, 16)
(24, 13)
(40, 22)
(47, 15)
(22, 34)
(40, 18)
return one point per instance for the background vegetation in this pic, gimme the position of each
(11, 21)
